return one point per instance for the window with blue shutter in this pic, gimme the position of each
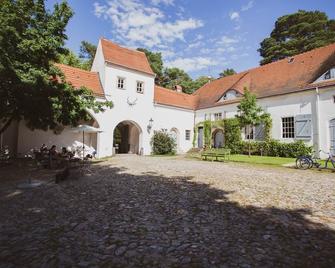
(303, 126)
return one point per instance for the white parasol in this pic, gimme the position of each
(85, 129)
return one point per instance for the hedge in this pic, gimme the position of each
(276, 148)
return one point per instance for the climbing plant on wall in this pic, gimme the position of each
(208, 133)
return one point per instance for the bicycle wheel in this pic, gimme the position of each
(303, 163)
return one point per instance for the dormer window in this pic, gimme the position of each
(140, 87)
(230, 95)
(121, 83)
(327, 75)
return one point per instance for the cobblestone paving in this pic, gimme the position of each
(169, 212)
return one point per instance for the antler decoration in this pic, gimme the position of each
(131, 103)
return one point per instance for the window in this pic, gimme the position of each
(217, 116)
(327, 75)
(249, 133)
(140, 87)
(288, 127)
(187, 135)
(334, 99)
(121, 83)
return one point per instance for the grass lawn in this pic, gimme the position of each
(254, 159)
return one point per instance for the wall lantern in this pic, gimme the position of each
(149, 127)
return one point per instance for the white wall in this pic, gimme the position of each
(167, 117)
(140, 113)
(291, 105)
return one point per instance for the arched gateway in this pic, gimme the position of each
(127, 138)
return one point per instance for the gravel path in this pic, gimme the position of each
(135, 211)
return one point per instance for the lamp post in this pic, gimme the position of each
(149, 127)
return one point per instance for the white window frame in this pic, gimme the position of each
(119, 78)
(187, 134)
(289, 135)
(141, 91)
(217, 116)
(253, 129)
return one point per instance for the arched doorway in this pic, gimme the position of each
(174, 132)
(127, 135)
(218, 138)
(332, 135)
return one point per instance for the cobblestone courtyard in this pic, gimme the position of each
(169, 212)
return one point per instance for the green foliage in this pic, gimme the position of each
(162, 143)
(267, 120)
(87, 53)
(296, 33)
(195, 137)
(71, 59)
(208, 133)
(232, 134)
(276, 148)
(175, 76)
(227, 72)
(249, 113)
(156, 63)
(31, 38)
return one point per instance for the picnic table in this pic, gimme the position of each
(216, 154)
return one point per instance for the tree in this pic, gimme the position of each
(227, 72)
(31, 87)
(249, 114)
(175, 76)
(87, 52)
(156, 63)
(296, 33)
(71, 59)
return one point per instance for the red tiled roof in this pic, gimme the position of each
(81, 78)
(272, 79)
(129, 58)
(173, 98)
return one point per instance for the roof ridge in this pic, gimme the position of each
(77, 68)
(127, 48)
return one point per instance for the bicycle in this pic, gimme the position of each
(307, 161)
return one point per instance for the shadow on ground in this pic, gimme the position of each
(110, 218)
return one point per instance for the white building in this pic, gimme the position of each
(298, 92)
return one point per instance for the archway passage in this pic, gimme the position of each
(218, 138)
(127, 138)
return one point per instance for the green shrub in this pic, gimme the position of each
(162, 143)
(232, 134)
(276, 148)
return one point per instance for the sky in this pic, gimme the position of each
(202, 37)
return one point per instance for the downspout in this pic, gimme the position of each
(316, 143)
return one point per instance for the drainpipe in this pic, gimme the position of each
(316, 135)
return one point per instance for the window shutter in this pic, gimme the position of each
(260, 132)
(303, 126)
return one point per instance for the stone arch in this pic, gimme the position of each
(127, 138)
(218, 138)
(176, 136)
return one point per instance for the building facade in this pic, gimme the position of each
(298, 93)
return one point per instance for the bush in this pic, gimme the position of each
(232, 133)
(276, 148)
(162, 143)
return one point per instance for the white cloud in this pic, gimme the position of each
(191, 64)
(226, 40)
(248, 6)
(234, 16)
(137, 23)
(165, 2)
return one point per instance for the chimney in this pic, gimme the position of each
(178, 88)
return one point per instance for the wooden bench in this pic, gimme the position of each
(216, 154)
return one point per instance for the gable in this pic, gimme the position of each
(326, 76)
(124, 57)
